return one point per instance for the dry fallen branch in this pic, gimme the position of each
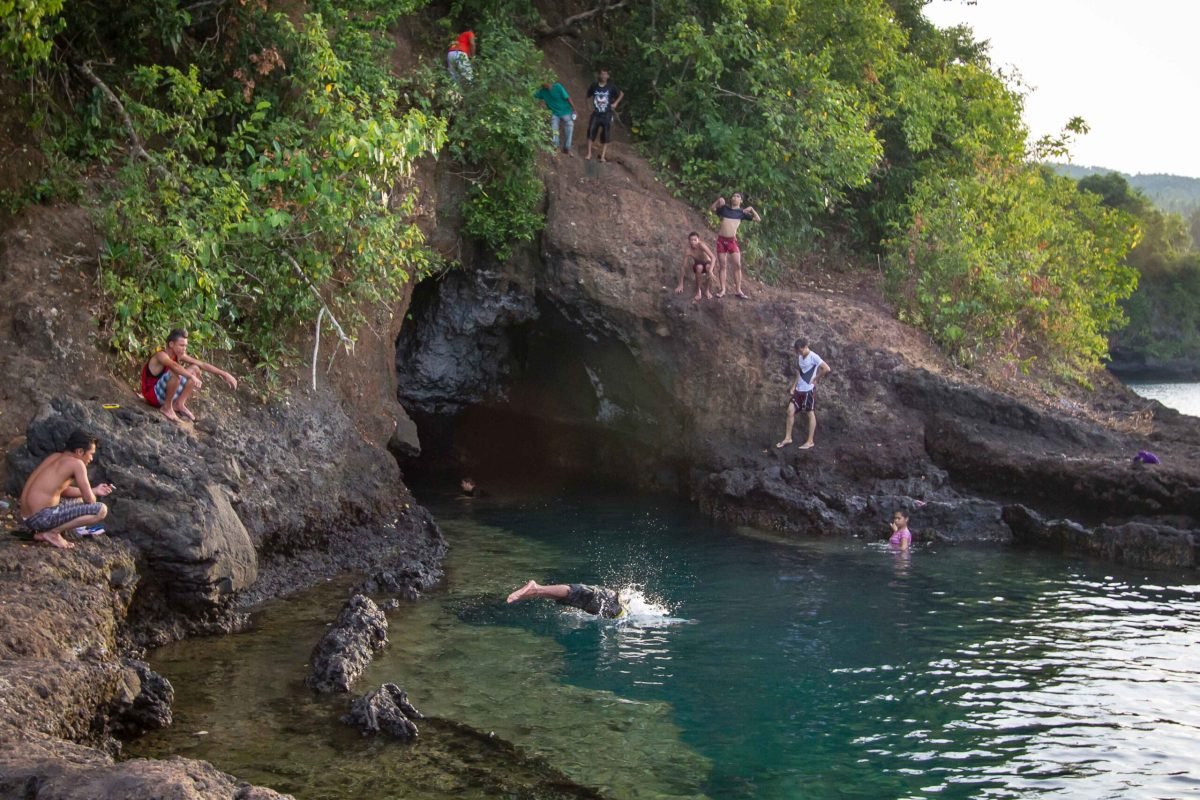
(135, 141)
(347, 342)
(568, 25)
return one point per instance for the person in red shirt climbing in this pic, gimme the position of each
(458, 59)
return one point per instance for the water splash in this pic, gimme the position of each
(644, 609)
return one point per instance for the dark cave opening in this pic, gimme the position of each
(506, 388)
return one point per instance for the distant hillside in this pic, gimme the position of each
(1168, 192)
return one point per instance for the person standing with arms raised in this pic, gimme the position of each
(732, 215)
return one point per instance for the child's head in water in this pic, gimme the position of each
(899, 520)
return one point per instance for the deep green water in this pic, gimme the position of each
(769, 670)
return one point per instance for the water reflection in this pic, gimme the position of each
(754, 669)
(1091, 691)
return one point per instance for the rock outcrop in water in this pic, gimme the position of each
(1140, 544)
(384, 710)
(338, 660)
(67, 692)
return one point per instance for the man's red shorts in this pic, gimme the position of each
(727, 244)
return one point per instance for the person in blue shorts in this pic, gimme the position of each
(593, 599)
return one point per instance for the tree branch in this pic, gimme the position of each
(135, 141)
(567, 26)
(347, 342)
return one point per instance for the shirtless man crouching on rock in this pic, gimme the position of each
(51, 505)
(165, 376)
(700, 258)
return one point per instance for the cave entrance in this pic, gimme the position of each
(503, 386)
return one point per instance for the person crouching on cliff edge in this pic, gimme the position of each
(171, 377)
(51, 505)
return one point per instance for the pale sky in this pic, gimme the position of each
(1130, 68)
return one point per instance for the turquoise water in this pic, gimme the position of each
(755, 669)
(1183, 397)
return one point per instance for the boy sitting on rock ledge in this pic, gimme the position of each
(171, 377)
(51, 505)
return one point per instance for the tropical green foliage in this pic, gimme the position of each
(276, 177)
(1014, 263)
(496, 131)
(1164, 312)
(1169, 193)
(27, 29)
(766, 98)
(234, 234)
(278, 194)
(278, 152)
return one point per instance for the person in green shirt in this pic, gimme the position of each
(562, 112)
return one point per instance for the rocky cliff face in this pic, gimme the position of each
(578, 355)
(269, 492)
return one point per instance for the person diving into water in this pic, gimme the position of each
(593, 599)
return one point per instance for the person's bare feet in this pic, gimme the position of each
(588, 157)
(185, 411)
(54, 539)
(696, 299)
(708, 295)
(806, 446)
(169, 413)
(569, 153)
(721, 293)
(784, 443)
(524, 590)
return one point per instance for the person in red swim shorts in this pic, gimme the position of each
(732, 215)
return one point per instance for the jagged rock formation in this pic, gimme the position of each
(385, 710)
(67, 691)
(348, 646)
(1140, 544)
(264, 496)
(407, 581)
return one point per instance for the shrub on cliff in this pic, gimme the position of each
(496, 130)
(267, 168)
(1014, 263)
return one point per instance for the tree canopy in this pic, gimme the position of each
(270, 152)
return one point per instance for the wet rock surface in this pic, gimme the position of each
(407, 581)
(264, 495)
(67, 691)
(348, 646)
(384, 710)
(1141, 544)
(143, 702)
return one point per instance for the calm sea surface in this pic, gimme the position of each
(750, 669)
(1183, 397)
